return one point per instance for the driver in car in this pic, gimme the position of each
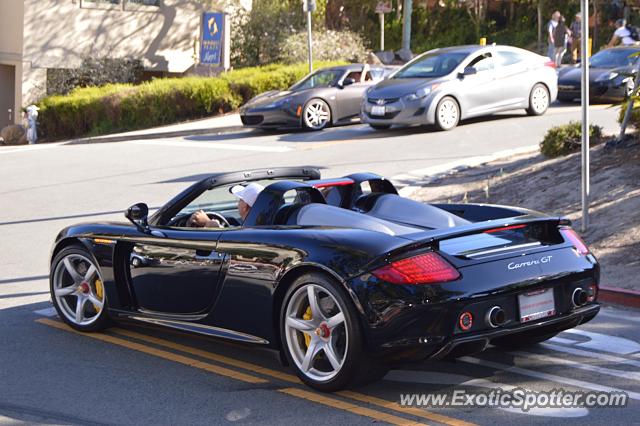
(247, 195)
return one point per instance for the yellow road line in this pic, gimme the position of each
(325, 400)
(160, 353)
(394, 406)
(408, 410)
(208, 355)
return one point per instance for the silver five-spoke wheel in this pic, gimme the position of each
(316, 114)
(78, 290)
(315, 332)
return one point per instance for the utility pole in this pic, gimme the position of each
(309, 6)
(406, 24)
(584, 64)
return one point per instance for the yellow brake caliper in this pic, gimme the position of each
(307, 316)
(99, 293)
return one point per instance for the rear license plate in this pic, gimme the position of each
(377, 110)
(536, 305)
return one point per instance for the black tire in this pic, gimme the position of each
(380, 126)
(521, 341)
(100, 320)
(314, 103)
(538, 106)
(445, 106)
(357, 368)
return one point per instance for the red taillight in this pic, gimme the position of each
(504, 228)
(575, 239)
(426, 268)
(551, 64)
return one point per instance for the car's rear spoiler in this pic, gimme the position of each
(433, 237)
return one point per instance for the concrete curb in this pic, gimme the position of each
(156, 135)
(619, 296)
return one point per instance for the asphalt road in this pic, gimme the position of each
(131, 375)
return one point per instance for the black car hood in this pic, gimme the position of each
(268, 97)
(397, 87)
(574, 75)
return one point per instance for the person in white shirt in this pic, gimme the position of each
(247, 195)
(621, 35)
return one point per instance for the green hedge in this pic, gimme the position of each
(92, 111)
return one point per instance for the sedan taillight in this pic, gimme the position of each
(428, 268)
(573, 237)
(551, 64)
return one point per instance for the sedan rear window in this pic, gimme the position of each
(430, 65)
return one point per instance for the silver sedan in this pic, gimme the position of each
(444, 86)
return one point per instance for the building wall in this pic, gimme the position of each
(60, 33)
(11, 18)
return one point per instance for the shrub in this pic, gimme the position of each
(565, 139)
(121, 107)
(327, 46)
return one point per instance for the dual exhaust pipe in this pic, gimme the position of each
(579, 297)
(495, 317)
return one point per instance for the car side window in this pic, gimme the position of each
(482, 62)
(355, 75)
(506, 58)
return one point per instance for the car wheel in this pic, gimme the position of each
(316, 115)
(77, 290)
(628, 88)
(321, 336)
(447, 113)
(538, 100)
(521, 341)
(380, 126)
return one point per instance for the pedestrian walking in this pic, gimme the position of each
(551, 26)
(576, 37)
(560, 36)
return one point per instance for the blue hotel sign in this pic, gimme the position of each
(212, 38)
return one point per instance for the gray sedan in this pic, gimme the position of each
(325, 97)
(444, 86)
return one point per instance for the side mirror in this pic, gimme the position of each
(348, 82)
(137, 214)
(468, 71)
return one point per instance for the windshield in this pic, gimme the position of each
(613, 58)
(323, 78)
(430, 65)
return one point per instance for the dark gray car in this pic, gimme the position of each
(444, 86)
(324, 97)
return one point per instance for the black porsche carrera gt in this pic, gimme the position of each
(611, 75)
(343, 276)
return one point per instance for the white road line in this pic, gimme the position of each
(606, 342)
(28, 148)
(589, 354)
(548, 377)
(213, 145)
(628, 317)
(582, 366)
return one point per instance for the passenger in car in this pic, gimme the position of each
(247, 196)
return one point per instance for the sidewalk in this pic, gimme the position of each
(219, 124)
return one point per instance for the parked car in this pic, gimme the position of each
(444, 86)
(611, 76)
(325, 97)
(343, 276)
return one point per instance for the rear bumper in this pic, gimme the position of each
(462, 345)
